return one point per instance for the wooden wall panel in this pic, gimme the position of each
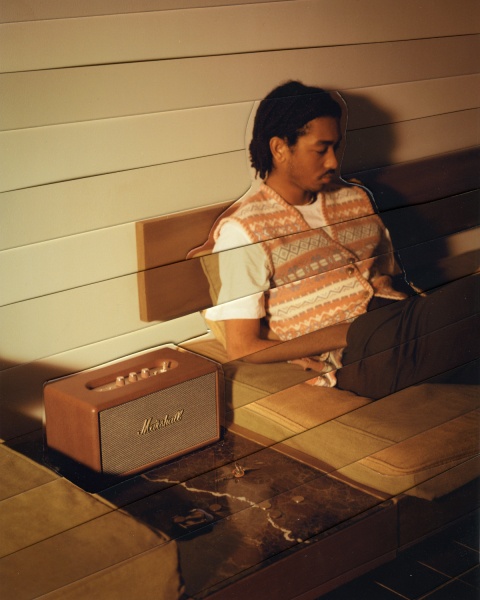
(77, 150)
(173, 34)
(43, 213)
(49, 97)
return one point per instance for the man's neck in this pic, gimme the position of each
(289, 193)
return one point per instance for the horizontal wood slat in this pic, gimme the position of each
(406, 101)
(52, 97)
(32, 10)
(168, 34)
(42, 327)
(420, 223)
(440, 261)
(66, 263)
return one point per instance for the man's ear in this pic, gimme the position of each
(279, 149)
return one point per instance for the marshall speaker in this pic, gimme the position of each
(126, 417)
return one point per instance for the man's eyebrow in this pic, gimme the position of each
(334, 142)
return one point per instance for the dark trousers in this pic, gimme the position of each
(407, 342)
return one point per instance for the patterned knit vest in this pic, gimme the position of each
(319, 276)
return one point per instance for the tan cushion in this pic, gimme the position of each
(20, 474)
(400, 468)
(298, 409)
(413, 410)
(151, 575)
(109, 542)
(61, 541)
(48, 509)
(395, 443)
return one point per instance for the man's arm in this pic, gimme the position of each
(244, 340)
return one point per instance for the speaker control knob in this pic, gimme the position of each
(120, 381)
(145, 373)
(132, 377)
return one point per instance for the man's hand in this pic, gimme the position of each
(309, 364)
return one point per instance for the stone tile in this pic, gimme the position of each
(408, 577)
(454, 590)
(444, 555)
(361, 589)
(472, 577)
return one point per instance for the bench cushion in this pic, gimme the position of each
(391, 445)
(58, 537)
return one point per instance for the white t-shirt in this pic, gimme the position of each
(245, 273)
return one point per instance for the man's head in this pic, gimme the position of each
(284, 114)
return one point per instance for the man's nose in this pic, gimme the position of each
(331, 161)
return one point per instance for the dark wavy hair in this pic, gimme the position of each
(284, 113)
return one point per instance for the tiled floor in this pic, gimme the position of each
(443, 567)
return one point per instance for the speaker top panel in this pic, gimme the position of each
(107, 386)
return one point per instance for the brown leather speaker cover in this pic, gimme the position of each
(128, 416)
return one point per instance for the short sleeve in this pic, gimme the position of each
(244, 276)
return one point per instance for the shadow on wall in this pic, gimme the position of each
(21, 400)
(385, 197)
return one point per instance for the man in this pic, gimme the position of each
(315, 259)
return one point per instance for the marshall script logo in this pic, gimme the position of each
(151, 424)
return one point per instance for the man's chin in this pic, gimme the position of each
(328, 184)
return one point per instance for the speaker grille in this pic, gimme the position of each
(151, 428)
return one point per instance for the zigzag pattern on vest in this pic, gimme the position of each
(319, 276)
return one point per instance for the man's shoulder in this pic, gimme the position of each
(350, 197)
(262, 200)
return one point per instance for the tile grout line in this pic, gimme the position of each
(385, 587)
